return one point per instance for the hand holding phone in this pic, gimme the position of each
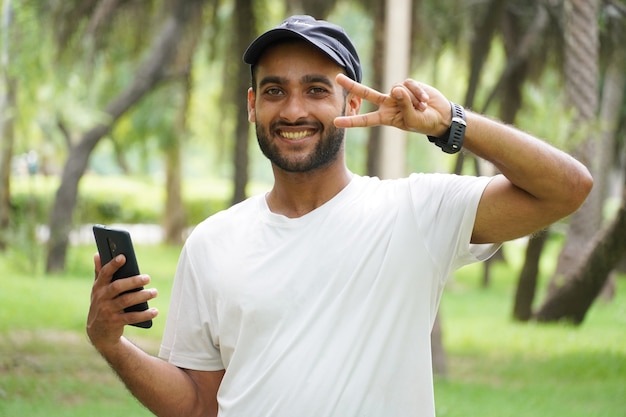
(112, 242)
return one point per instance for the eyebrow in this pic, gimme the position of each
(272, 80)
(307, 79)
(313, 78)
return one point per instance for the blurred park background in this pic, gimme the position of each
(133, 112)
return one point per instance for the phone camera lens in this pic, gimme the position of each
(112, 246)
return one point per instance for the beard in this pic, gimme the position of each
(325, 151)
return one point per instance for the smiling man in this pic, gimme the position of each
(317, 298)
(297, 112)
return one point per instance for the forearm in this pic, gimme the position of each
(162, 387)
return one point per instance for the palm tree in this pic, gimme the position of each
(579, 283)
(581, 49)
(574, 298)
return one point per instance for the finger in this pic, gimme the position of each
(409, 97)
(359, 120)
(417, 91)
(123, 285)
(135, 297)
(360, 90)
(139, 316)
(97, 263)
(105, 273)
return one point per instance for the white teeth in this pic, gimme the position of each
(295, 135)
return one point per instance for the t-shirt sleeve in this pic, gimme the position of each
(188, 340)
(446, 207)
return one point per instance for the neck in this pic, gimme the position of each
(296, 194)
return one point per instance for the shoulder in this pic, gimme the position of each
(447, 184)
(424, 183)
(224, 221)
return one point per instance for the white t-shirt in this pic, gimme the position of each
(328, 314)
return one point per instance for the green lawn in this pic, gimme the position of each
(47, 365)
(496, 367)
(501, 368)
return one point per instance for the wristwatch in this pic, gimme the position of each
(452, 140)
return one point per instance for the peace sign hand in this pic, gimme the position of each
(411, 106)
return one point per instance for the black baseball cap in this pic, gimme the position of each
(328, 37)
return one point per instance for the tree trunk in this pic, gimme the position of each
(512, 78)
(517, 58)
(7, 117)
(174, 216)
(572, 301)
(244, 31)
(527, 282)
(519, 52)
(120, 155)
(580, 287)
(7, 107)
(149, 74)
(316, 8)
(581, 86)
(396, 67)
(610, 108)
(612, 99)
(6, 153)
(377, 10)
(483, 31)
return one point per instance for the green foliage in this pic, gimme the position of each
(27, 207)
(114, 199)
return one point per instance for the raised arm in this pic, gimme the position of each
(162, 387)
(539, 183)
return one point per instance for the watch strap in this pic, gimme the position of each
(452, 140)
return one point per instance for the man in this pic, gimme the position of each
(317, 298)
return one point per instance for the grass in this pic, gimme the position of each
(47, 365)
(496, 367)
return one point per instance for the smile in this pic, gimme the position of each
(296, 135)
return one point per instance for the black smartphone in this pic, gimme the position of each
(112, 242)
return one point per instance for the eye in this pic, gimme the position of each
(318, 90)
(274, 91)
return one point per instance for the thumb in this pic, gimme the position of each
(97, 263)
(403, 98)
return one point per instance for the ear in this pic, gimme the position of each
(251, 106)
(353, 106)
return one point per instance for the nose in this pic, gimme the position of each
(294, 108)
